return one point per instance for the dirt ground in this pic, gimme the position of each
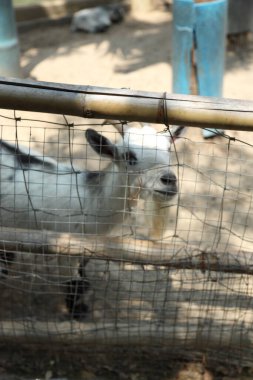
(137, 54)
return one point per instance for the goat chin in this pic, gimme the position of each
(148, 219)
(157, 211)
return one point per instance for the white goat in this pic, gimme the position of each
(39, 193)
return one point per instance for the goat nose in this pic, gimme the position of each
(168, 179)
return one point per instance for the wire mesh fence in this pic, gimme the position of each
(125, 238)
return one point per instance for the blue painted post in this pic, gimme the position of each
(210, 31)
(9, 46)
(182, 45)
(206, 24)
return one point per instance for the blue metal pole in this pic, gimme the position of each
(9, 46)
(182, 44)
(207, 24)
(210, 32)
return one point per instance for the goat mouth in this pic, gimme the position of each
(166, 193)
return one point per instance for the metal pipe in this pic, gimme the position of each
(9, 46)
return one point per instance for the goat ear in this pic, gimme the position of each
(176, 131)
(100, 144)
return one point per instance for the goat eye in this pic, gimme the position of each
(131, 158)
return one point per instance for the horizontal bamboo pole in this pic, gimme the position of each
(125, 104)
(126, 250)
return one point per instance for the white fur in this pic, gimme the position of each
(49, 195)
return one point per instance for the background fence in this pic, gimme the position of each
(190, 288)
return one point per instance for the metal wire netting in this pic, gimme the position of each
(172, 270)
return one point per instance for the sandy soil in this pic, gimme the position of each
(136, 54)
